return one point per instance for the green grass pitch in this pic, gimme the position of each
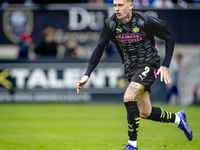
(89, 126)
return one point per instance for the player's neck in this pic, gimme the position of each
(127, 18)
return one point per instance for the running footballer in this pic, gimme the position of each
(133, 35)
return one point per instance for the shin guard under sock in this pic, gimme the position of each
(157, 114)
(133, 119)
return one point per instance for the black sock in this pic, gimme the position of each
(157, 114)
(133, 119)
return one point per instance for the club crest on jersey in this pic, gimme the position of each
(136, 29)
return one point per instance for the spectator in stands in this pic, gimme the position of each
(68, 49)
(143, 2)
(71, 47)
(24, 45)
(162, 3)
(184, 3)
(175, 67)
(47, 47)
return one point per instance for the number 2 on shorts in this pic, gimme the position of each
(147, 69)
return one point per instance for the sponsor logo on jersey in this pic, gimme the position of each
(16, 22)
(129, 37)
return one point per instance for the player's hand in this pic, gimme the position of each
(164, 74)
(81, 83)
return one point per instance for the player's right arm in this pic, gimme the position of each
(82, 82)
(104, 40)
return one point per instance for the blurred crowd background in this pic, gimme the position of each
(145, 3)
(34, 31)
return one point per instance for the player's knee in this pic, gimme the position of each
(144, 114)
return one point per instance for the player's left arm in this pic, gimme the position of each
(159, 28)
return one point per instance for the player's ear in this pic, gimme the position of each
(131, 6)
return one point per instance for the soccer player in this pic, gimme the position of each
(133, 35)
